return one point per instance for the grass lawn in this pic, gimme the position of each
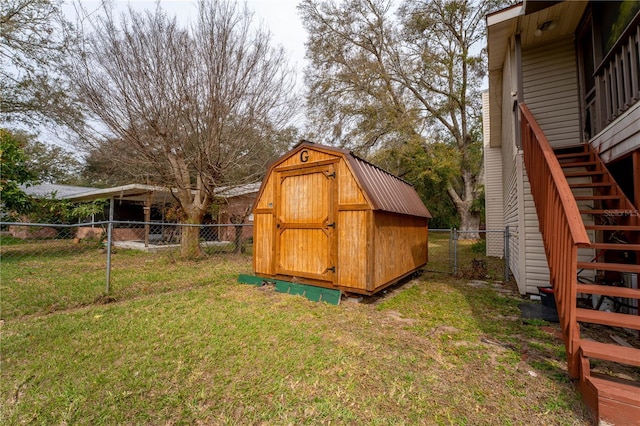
(183, 343)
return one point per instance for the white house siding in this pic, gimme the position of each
(512, 173)
(492, 186)
(536, 266)
(511, 220)
(550, 81)
(620, 137)
(551, 92)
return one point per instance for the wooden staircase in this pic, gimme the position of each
(591, 233)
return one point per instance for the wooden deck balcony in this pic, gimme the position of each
(553, 179)
(617, 80)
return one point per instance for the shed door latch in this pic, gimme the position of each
(332, 269)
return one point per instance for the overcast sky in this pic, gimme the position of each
(280, 16)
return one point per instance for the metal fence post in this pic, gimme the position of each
(506, 254)
(454, 236)
(109, 237)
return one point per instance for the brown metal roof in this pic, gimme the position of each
(385, 191)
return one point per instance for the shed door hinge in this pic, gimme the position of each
(331, 225)
(333, 175)
(332, 269)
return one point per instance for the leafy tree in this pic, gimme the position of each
(196, 108)
(34, 46)
(50, 163)
(14, 172)
(380, 79)
(50, 209)
(429, 171)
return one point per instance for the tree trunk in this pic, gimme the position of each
(190, 238)
(238, 240)
(469, 225)
(190, 242)
(469, 222)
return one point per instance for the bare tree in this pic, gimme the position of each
(34, 46)
(198, 108)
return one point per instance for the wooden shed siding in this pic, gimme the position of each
(263, 243)
(314, 214)
(349, 193)
(352, 245)
(314, 156)
(550, 81)
(267, 199)
(401, 238)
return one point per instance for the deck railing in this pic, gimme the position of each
(561, 227)
(618, 77)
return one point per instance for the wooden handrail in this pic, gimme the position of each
(561, 227)
(569, 205)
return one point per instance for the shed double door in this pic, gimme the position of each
(305, 223)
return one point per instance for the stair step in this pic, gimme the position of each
(572, 155)
(584, 174)
(626, 392)
(612, 227)
(591, 184)
(610, 352)
(578, 164)
(598, 197)
(609, 290)
(604, 266)
(608, 318)
(612, 246)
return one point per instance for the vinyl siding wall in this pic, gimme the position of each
(511, 172)
(550, 83)
(494, 208)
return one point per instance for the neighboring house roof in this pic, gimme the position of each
(131, 192)
(236, 191)
(52, 189)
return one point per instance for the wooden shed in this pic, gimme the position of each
(328, 218)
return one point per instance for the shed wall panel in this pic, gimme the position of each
(306, 158)
(400, 246)
(349, 193)
(263, 243)
(267, 198)
(352, 249)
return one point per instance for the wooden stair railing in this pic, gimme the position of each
(553, 178)
(560, 225)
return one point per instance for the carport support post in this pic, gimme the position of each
(109, 240)
(147, 218)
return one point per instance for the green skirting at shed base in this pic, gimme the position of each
(313, 293)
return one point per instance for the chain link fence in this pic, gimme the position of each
(70, 265)
(60, 266)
